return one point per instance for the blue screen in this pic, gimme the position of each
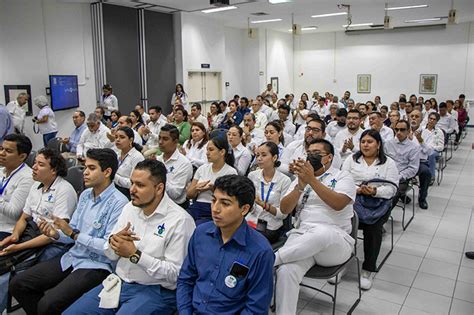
(64, 91)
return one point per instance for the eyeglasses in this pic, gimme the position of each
(400, 129)
(315, 130)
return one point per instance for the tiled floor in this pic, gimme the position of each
(427, 272)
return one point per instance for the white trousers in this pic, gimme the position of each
(323, 244)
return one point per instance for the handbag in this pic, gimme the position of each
(370, 209)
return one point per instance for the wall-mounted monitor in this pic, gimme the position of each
(64, 92)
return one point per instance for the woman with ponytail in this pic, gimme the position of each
(220, 161)
(128, 158)
(270, 186)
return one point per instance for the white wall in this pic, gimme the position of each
(234, 59)
(47, 37)
(395, 61)
(279, 61)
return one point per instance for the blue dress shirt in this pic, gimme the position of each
(6, 123)
(205, 284)
(75, 137)
(95, 218)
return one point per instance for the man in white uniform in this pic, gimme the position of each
(18, 111)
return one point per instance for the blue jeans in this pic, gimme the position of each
(49, 136)
(432, 163)
(134, 299)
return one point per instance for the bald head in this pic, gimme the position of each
(124, 121)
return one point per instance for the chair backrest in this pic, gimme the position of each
(30, 160)
(355, 228)
(70, 162)
(75, 176)
(54, 144)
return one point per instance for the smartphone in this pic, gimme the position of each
(239, 270)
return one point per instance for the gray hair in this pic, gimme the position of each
(41, 101)
(23, 94)
(93, 118)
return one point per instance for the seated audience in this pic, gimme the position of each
(370, 162)
(394, 117)
(260, 117)
(347, 140)
(125, 121)
(253, 137)
(331, 116)
(6, 122)
(151, 132)
(179, 169)
(434, 138)
(52, 286)
(274, 133)
(114, 117)
(100, 112)
(180, 120)
(148, 258)
(323, 196)
(137, 121)
(364, 119)
(128, 158)
(94, 137)
(299, 116)
(338, 125)
(229, 255)
(141, 111)
(195, 147)
(242, 155)
(302, 128)
(196, 116)
(376, 123)
(283, 115)
(233, 116)
(16, 180)
(78, 119)
(270, 185)
(244, 107)
(446, 122)
(220, 162)
(384, 112)
(215, 116)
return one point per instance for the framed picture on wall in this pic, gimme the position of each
(274, 82)
(364, 83)
(428, 83)
(12, 91)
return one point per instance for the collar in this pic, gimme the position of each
(103, 195)
(240, 147)
(239, 235)
(161, 209)
(16, 170)
(401, 142)
(174, 156)
(81, 126)
(53, 185)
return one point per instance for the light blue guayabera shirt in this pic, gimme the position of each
(95, 219)
(75, 137)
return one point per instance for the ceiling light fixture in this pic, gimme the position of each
(423, 20)
(219, 9)
(308, 28)
(279, 1)
(419, 6)
(328, 14)
(357, 25)
(265, 21)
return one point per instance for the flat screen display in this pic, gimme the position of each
(64, 92)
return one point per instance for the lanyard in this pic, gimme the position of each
(123, 160)
(262, 190)
(4, 185)
(307, 191)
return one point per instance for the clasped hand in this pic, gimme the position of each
(122, 243)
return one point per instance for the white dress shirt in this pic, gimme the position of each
(361, 172)
(126, 167)
(163, 241)
(202, 120)
(280, 184)
(386, 133)
(205, 173)
(290, 128)
(447, 123)
(332, 129)
(260, 120)
(268, 111)
(50, 126)
(13, 198)
(96, 140)
(216, 120)
(155, 128)
(18, 115)
(59, 200)
(180, 173)
(434, 138)
(300, 120)
(110, 103)
(344, 135)
(197, 156)
(145, 117)
(243, 157)
(257, 136)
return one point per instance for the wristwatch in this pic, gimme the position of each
(74, 233)
(135, 257)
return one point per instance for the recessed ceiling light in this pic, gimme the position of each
(423, 20)
(357, 25)
(407, 7)
(265, 21)
(219, 9)
(328, 14)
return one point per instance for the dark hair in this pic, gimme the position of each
(341, 112)
(221, 143)
(139, 116)
(102, 111)
(106, 157)
(107, 87)
(365, 105)
(321, 122)
(274, 150)
(56, 161)
(204, 140)
(442, 105)
(140, 105)
(176, 88)
(235, 102)
(23, 143)
(217, 106)
(181, 108)
(402, 100)
(286, 107)
(403, 121)
(279, 128)
(327, 145)
(376, 135)
(246, 100)
(384, 107)
(81, 113)
(354, 111)
(251, 115)
(462, 96)
(131, 135)
(236, 96)
(434, 114)
(117, 112)
(197, 105)
(314, 116)
(156, 108)
(237, 186)
(450, 102)
(156, 169)
(241, 131)
(222, 103)
(172, 129)
(377, 113)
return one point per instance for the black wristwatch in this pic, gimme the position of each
(135, 257)
(74, 233)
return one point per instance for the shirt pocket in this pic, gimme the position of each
(232, 293)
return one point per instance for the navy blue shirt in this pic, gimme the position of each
(243, 111)
(207, 284)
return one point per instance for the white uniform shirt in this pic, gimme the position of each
(202, 120)
(258, 137)
(333, 129)
(110, 103)
(268, 111)
(18, 115)
(126, 167)
(386, 133)
(316, 211)
(434, 138)
(197, 156)
(164, 237)
(243, 157)
(184, 100)
(59, 200)
(49, 126)
(280, 184)
(344, 135)
(96, 140)
(13, 198)
(145, 117)
(155, 128)
(205, 173)
(180, 173)
(260, 120)
(447, 123)
(361, 172)
(216, 120)
(299, 120)
(290, 128)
